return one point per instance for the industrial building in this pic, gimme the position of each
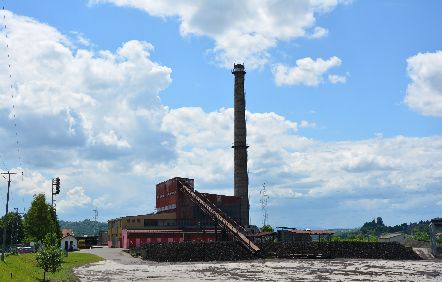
(435, 234)
(178, 218)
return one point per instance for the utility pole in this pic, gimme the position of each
(4, 223)
(95, 219)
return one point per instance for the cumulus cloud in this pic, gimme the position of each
(307, 124)
(319, 32)
(334, 78)
(243, 31)
(306, 71)
(100, 101)
(424, 92)
(316, 168)
(75, 198)
(80, 112)
(32, 183)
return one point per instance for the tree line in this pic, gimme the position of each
(40, 220)
(371, 230)
(84, 227)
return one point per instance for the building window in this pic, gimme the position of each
(150, 222)
(138, 220)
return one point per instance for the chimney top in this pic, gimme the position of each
(238, 68)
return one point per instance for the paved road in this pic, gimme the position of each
(120, 266)
(114, 254)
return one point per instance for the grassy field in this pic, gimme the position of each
(24, 267)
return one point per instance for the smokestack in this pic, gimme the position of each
(241, 178)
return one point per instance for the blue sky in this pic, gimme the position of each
(344, 103)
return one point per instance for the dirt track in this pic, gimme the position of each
(120, 266)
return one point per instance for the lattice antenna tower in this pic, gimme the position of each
(264, 201)
(11, 87)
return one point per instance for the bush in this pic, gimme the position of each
(421, 236)
(50, 257)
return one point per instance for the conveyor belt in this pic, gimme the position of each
(217, 215)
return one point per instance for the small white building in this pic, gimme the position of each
(393, 237)
(69, 243)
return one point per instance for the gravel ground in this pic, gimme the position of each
(120, 266)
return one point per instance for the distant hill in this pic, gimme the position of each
(85, 227)
(377, 227)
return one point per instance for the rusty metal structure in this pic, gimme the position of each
(236, 230)
(241, 178)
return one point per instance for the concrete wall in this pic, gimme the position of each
(399, 239)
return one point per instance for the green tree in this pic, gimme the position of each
(266, 228)
(374, 228)
(379, 221)
(51, 256)
(85, 227)
(39, 220)
(421, 236)
(14, 228)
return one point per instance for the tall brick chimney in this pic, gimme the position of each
(241, 178)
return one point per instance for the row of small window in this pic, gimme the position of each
(166, 195)
(165, 208)
(155, 222)
(133, 220)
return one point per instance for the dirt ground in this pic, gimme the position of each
(120, 266)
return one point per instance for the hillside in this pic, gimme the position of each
(85, 227)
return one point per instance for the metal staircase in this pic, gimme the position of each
(219, 216)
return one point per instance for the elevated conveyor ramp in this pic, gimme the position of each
(219, 216)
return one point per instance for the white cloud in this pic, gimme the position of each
(243, 31)
(103, 202)
(32, 183)
(101, 101)
(306, 71)
(367, 204)
(75, 198)
(81, 114)
(279, 154)
(319, 32)
(333, 78)
(424, 93)
(307, 124)
(283, 193)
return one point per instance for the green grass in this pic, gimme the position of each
(24, 267)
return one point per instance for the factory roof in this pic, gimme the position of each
(312, 232)
(168, 231)
(261, 234)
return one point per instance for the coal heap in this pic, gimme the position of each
(195, 251)
(234, 251)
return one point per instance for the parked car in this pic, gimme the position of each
(25, 250)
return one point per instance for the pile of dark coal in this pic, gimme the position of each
(195, 251)
(361, 250)
(233, 251)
